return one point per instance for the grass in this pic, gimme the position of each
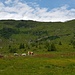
(39, 64)
(60, 62)
(28, 32)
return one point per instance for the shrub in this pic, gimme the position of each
(60, 43)
(53, 48)
(21, 46)
(12, 50)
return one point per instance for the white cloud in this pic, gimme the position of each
(24, 11)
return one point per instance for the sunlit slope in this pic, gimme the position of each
(22, 31)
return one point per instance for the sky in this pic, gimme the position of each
(38, 10)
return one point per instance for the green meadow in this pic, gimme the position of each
(53, 44)
(44, 64)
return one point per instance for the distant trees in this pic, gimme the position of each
(7, 32)
(60, 43)
(25, 24)
(50, 47)
(9, 46)
(73, 43)
(12, 50)
(53, 48)
(21, 46)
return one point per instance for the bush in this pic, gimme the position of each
(53, 48)
(7, 32)
(13, 50)
(60, 43)
(21, 46)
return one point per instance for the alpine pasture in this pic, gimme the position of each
(52, 44)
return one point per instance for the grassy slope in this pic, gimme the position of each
(30, 30)
(60, 62)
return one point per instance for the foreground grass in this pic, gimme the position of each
(37, 65)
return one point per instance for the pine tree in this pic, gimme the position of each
(9, 46)
(53, 48)
(60, 43)
(13, 50)
(21, 46)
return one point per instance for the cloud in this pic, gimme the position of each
(18, 10)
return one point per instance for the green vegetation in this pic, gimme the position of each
(38, 65)
(35, 35)
(22, 46)
(53, 44)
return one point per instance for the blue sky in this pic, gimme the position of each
(53, 3)
(39, 10)
(50, 4)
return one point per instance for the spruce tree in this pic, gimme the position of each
(60, 43)
(21, 46)
(53, 48)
